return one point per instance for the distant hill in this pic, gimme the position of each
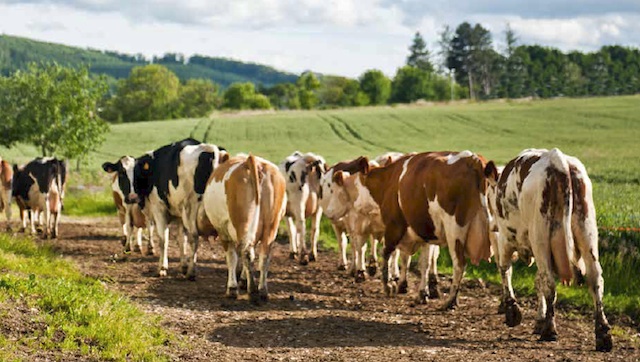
(17, 52)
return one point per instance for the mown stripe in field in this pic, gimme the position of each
(406, 123)
(470, 122)
(339, 134)
(205, 138)
(193, 133)
(357, 135)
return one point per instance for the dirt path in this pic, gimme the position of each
(318, 313)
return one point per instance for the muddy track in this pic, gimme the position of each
(317, 313)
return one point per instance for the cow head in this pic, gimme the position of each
(334, 196)
(142, 177)
(123, 173)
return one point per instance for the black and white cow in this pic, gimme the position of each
(303, 173)
(545, 212)
(130, 213)
(39, 187)
(170, 182)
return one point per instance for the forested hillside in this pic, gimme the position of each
(16, 53)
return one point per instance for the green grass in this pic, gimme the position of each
(602, 132)
(68, 312)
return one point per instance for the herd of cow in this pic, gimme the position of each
(537, 207)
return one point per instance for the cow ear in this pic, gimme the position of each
(326, 167)
(490, 171)
(15, 169)
(224, 157)
(109, 167)
(338, 178)
(389, 160)
(363, 165)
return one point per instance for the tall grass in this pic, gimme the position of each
(72, 313)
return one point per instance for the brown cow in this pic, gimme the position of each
(6, 184)
(435, 197)
(244, 200)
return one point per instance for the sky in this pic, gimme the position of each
(339, 37)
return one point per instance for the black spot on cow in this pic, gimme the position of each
(287, 165)
(292, 177)
(303, 177)
(123, 180)
(203, 171)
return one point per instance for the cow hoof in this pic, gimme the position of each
(603, 338)
(403, 287)
(502, 308)
(312, 257)
(292, 255)
(232, 293)
(184, 269)
(604, 343)
(434, 292)
(162, 273)
(304, 260)
(422, 297)
(391, 289)
(450, 304)
(242, 284)
(359, 276)
(342, 267)
(548, 336)
(372, 269)
(191, 277)
(151, 252)
(136, 248)
(254, 297)
(123, 240)
(538, 327)
(264, 296)
(513, 315)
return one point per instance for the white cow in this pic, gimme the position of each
(302, 173)
(545, 212)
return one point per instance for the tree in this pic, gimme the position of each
(376, 86)
(197, 98)
(53, 108)
(471, 56)
(411, 84)
(419, 54)
(149, 93)
(244, 96)
(307, 85)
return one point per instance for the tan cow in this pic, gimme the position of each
(434, 197)
(6, 183)
(545, 212)
(244, 200)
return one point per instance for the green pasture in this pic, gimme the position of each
(603, 132)
(66, 312)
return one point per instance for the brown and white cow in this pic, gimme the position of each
(244, 201)
(434, 197)
(130, 213)
(545, 212)
(362, 224)
(6, 185)
(302, 173)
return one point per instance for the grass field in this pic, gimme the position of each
(603, 132)
(66, 312)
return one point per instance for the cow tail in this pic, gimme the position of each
(255, 177)
(559, 193)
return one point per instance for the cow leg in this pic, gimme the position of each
(372, 265)
(6, 202)
(402, 275)
(47, 218)
(232, 265)
(315, 233)
(434, 252)
(138, 245)
(425, 262)
(508, 304)
(341, 236)
(163, 232)
(301, 232)
(546, 282)
(150, 245)
(127, 230)
(293, 241)
(456, 248)
(24, 215)
(360, 247)
(596, 287)
(263, 265)
(248, 255)
(184, 264)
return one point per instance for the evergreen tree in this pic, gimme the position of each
(419, 55)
